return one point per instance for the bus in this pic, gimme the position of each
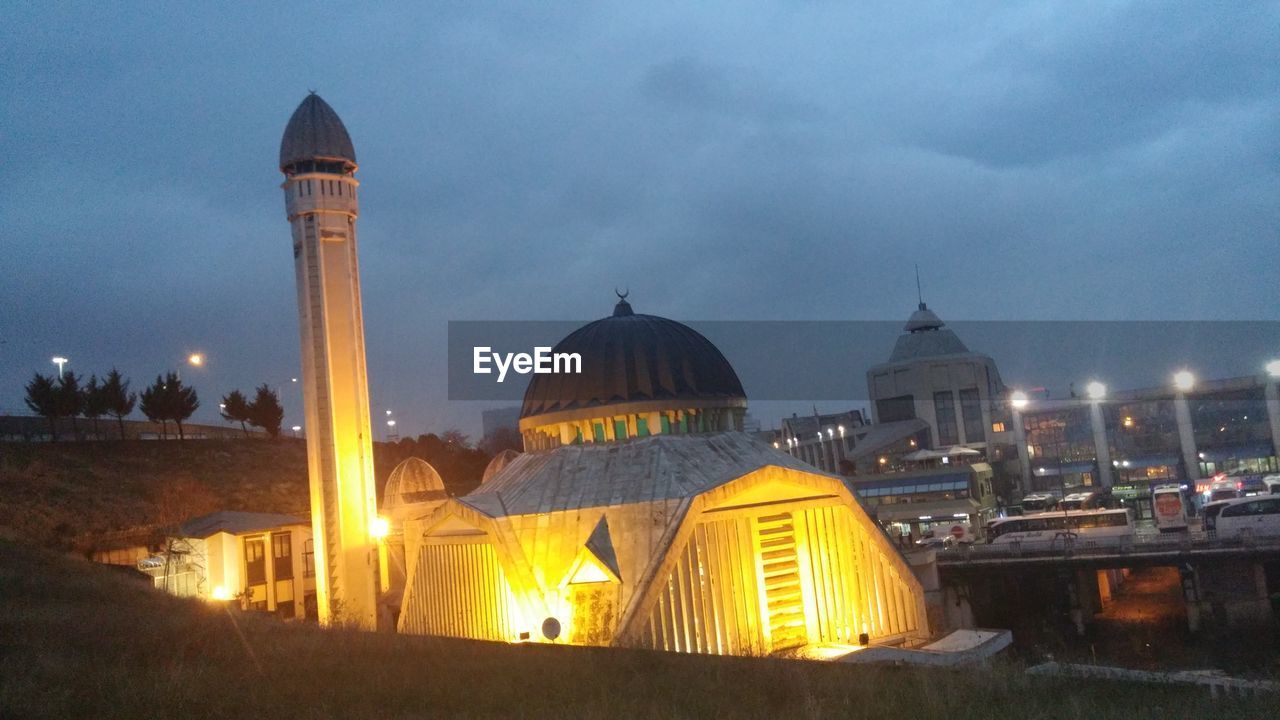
(1081, 501)
(1170, 508)
(1075, 526)
(1039, 502)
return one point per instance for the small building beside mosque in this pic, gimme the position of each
(642, 515)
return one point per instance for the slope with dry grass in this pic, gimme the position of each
(76, 496)
(79, 640)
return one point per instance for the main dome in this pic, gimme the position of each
(643, 361)
(315, 132)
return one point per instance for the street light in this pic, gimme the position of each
(1273, 368)
(297, 429)
(1095, 390)
(195, 359)
(1183, 380)
(1019, 400)
(59, 361)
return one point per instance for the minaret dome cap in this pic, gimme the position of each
(315, 132)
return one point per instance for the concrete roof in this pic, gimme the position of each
(662, 467)
(236, 523)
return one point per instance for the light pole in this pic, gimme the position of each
(1018, 401)
(1183, 383)
(59, 361)
(297, 429)
(1097, 393)
(1272, 393)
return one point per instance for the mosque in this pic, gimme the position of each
(640, 513)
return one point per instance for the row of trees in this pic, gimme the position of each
(264, 412)
(63, 397)
(164, 401)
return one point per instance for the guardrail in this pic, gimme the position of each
(1067, 546)
(1214, 681)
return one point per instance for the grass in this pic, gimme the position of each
(80, 640)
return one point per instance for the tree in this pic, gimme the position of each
(182, 401)
(503, 438)
(117, 399)
(235, 408)
(42, 398)
(455, 436)
(95, 401)
(266, 412)
(70, 399)
(153, 405)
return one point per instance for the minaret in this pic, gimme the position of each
(319, 164)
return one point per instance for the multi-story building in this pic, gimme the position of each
(932, 376)
(1129, 441)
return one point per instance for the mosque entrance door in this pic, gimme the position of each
(779, 569)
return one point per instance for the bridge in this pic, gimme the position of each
(1141, 550)
(1225, 581)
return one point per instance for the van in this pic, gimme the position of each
(1272, 483)
(1209, 514)
(1256, 515)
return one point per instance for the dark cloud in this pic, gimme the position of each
(767, 161)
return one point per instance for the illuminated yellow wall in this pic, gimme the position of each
(693, 574)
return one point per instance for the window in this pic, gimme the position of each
(620, 429)
(255, 561)
(895, 409)
(971, 411)
(597, 432)
(309, 558)
(997, 427)
(282, 556)
(642, 427)
(666, 424)
(944, 406)
(285, 610)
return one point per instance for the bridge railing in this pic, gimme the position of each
(1069, 545)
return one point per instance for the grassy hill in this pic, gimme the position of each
(75, 495)
(84, 495)
(81, 640)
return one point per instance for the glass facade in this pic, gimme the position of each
(944, 407)
(1230, 420)
(1060, 436)
(971, 411)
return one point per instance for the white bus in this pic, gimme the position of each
(1170, 509)
(1039, 502)
(1076, 526)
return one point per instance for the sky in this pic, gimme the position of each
(722, 161)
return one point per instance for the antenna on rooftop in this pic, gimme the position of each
(919, 293)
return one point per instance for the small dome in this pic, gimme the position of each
(923, 319)
(315, 132)
(632, 358)
(499, 461)
(412, 481)
(926, 336)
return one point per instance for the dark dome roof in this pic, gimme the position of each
(315, 131)
(630, 358)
